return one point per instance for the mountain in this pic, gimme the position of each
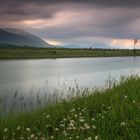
(18, 37)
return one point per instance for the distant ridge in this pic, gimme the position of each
(21, 38)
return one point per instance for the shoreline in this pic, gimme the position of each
(56, 53)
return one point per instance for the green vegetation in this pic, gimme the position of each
(112, 114)
(32, 53)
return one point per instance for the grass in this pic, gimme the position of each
(33, 53)
(112, 114)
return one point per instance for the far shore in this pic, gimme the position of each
(42, 53)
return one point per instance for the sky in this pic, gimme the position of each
(81, 23)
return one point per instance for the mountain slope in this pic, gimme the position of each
(20, 38)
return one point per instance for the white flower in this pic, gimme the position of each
(82, 120)
(32, 136)
(102, 117)
(96, 137)
(77, 137)
(62, 125)
(48, 116)
(18, 128)
(28, 129)
(56, 129)
(80, 114)
(52, 137)
(93, 119)
(72, 110)
(64, 120)
(122, 123)
(5, 130)
(93, 127)
(86, 126)
(125, 96)
(134, 101)
(109, 107)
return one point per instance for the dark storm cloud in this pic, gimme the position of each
(125, 3)
(73, 19)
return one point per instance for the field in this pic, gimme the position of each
(34, 53)
(111, 114)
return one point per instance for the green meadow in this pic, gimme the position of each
(109, 114)
(34, 53)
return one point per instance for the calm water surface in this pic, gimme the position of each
(32, 77)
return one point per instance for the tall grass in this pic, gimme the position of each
(112, 114)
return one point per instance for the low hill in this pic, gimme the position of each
(17, 37)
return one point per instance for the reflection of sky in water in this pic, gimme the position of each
(33, 76)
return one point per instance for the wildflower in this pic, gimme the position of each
(48, 116)
(122, 123)
(125, 96)
(65, 133)
(52, 137)
(82, 120)
(77, 137)
(56, 129)
(64, 120)
(80, 114)
(103, 105)
(93, 127)
(72, 110)
(72, 121)
(62, 125)
(134, 101)
(18, 128)
(109, 107)
(74, 128)
(86, 126)
(5, 130)
(96, 137)
(93, 119)
(83, 110)
(28, 129)
(32, 136)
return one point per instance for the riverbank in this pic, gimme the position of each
(105, 115)
(35, 53)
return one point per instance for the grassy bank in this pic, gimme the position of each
(113, 114)
(32, 53)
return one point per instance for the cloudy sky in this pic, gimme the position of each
(85, 23)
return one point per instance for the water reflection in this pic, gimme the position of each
(30, 78)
